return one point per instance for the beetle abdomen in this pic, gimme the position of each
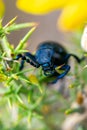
(51, 51)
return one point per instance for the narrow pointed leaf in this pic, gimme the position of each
(24, 40)
(16, 27)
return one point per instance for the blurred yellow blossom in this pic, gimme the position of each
(3, 77)
(39, 6)
(33, 79)
(2, 8)
(73, 14)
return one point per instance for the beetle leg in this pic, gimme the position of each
(66, 68)
(22, 64)
(78, 59)
(31, 59)
(22, 61)
(32, 63)
(30, 56)
(18, 57)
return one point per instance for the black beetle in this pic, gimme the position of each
(50, 56)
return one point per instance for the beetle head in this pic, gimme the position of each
(47, 68)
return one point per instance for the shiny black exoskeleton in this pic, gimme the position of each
(50, 56)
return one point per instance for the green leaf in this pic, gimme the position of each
(24, 40)
(10, 102)
(10, 22)
(19, 99)
(16, 27)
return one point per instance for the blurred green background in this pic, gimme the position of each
(58, 97)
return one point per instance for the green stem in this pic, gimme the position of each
(5, 46)
(24, 40)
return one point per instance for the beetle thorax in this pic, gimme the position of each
(44, 56)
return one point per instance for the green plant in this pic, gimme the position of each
(28, 95)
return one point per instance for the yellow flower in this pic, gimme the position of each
(3, 77)
(2, 8)
(39, 6)
(73, 14)
(33, 79)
